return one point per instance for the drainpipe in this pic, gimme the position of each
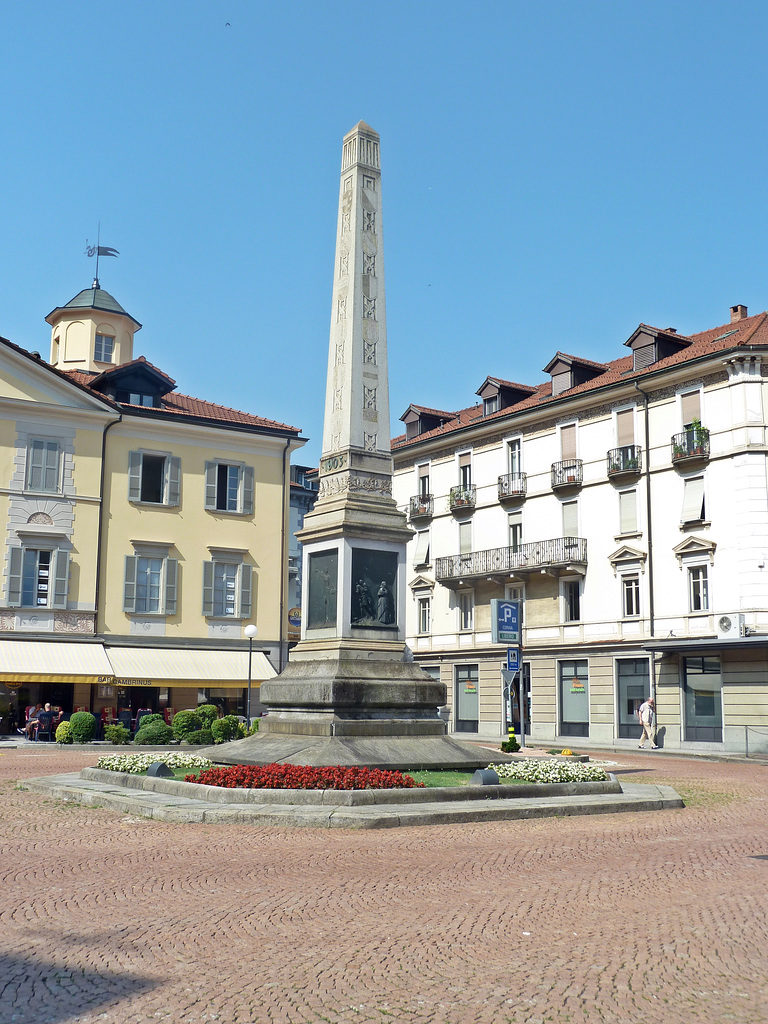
(283, 562)
(97, 591)
(649, 517)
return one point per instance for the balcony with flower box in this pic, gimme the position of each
(626, 461)
(421, 506)
(560, 553)
(462, 499)
(567, 474)
(513, 486)
(691, 446)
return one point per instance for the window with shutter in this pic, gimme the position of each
(465, 469)
(43, 458)
(693, 500)
(570, 519)
(625, 427)
(690, 404)
(627, 511)
(421, 554)
(568, 441)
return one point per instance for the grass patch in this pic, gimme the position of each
(433, 779)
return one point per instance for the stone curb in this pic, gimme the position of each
(159, 806)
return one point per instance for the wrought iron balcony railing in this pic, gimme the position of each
(539, 554)
(625, 461)
(462, 497)
(421, 505)
(513, 485)
(693, 443)
(567, 474)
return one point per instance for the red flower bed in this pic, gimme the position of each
(297, 776)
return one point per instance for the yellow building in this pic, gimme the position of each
(145, 529)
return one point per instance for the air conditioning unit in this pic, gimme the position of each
(730, 627)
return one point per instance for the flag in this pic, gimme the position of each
(100, 250)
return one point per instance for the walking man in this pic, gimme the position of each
(647, 716)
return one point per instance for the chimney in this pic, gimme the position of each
(738, 313)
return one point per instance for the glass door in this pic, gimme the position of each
(634, 686)
(466, 703)
(574, 698)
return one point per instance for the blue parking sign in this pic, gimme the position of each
(505, 622)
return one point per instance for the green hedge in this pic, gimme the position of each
(117, 734)
(154, 734)
(227, 728)
(201, 737)
(63, 733)
(83, 727)
(185, 722)
(208, 714)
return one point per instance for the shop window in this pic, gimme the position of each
(574, 698)
(702, 685)
(466, 703)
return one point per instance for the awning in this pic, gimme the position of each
(159, 666)
(704, 644)
(41, 661)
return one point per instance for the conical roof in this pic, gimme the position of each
(93, 298)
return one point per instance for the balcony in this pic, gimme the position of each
(567, 474)
(462, 499)
(512, 485)
(559, 553)
(421, 505)
(692, 445)
(626, 461)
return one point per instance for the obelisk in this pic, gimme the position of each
(350, 695)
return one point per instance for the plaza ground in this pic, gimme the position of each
(629, 917)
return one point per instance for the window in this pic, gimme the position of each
(703, 687)
(570, 519)
(466, 716)
(698, 588)
(229, 487)
(630, 596)
(515, 530)
(150, 585)
(574, 698)
(568, 442)
(627, 511)
(38, 578)
(465, 546)
(694, 510)
(466, 610)
(154, 478)
(424, 481)
(571, 600)
(227, 589)
(490, 405)
(634, 685)
(465, 470)
(421, 555)
(625, 428)
(104, 348)
(43, 458)
(690, 407)
(425, 614)
(515, 455)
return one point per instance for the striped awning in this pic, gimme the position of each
(40, 661)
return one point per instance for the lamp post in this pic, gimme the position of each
(250, 632)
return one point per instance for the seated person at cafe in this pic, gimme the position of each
(45, 718)
(31, 721)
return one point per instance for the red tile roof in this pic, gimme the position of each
(750, 332)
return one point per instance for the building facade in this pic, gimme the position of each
(144, 529)
(625, 504)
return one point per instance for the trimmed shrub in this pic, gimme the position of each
(150, 719)
(154, 734)
(208, 714)
(116, 734)
(254, 727)
(510, 746)
(83, 727)
(185, 722)
(202, 737)
(227, 728)
(63, 733)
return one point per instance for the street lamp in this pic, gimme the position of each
(250, 632)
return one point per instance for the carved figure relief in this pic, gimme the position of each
(341, 310)
(369, 442)
(339, 352)
(42, 518)
(343, 264)
(369, 264)
(369, 352)
(369, 308)
(369, 397)
(369, 221)
(72, 623)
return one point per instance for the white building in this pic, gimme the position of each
(626, 505)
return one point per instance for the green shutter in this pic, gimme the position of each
(210, 485)
(134, 476)
(60, 578)
(207, 588)
(171, 576)
(129, 589)
(248, 490)
(174, 480)
(14, 577)
(246, 590)
(51, 472)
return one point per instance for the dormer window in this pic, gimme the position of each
(490, 405)
(569, 371)
(136, 398)
(500, 394)
(649, 345)
(104, 347)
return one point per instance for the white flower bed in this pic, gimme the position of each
(549, 770)
(138, 763)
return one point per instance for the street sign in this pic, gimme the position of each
(513, 659)
(505, 622)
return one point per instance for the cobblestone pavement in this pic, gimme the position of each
(654, 917)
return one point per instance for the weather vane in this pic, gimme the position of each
(99, 250)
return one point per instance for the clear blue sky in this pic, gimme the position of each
(553, 174)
